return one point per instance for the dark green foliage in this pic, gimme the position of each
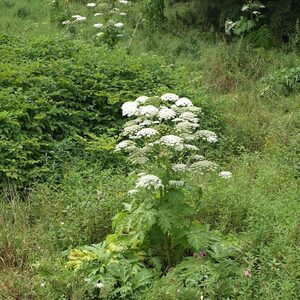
(54, 88)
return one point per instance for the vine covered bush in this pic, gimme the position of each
(53, 88)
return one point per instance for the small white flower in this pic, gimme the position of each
(183, 102)
(80, 19)
(124, 1)
(148, 111)
(66, 22)
(98, 14)
(191, 147)
(43, 284)
(99, 33)
(176, 183)
(189, 116)
(169, 97)
(98, 25)
(76, 16)
(120, 35)
(172, 141)
(119, 25)
(129, 108)
(126, 145)
(99, 285)
(146, 132)
(122, 14)
(130, 130)
(202, 165)
(166, 113)
(207, 135)
(141, 99)
(186, 127)
(225, 174)
(132, 192)
(149, 181)
(91, 5)
(198, 157)
(179, 167)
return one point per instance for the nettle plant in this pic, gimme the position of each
(158, 226)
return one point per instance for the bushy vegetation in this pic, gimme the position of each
(69, 227)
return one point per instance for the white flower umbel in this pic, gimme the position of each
(148, 111)
(173, 141)
(189, 116)
(141, 99)
(91, 5)
(182, 102)
(179, 167)
(126, 145)
(166, 113)
(202, 165)
(99, 285)
(99, 33)
(186, 127)
(129, 108)
(80, 19)
(76, 16)
(191, 147)
(176, 183)
(119, 25)
(225, 174)
(131, 130)
(66, 22)
(98, 14)
(98, 25)
(146, 132)
(124, 2)
(198, 157)
(122, 14)
(208, 136)
(148, 182)
(169, 97)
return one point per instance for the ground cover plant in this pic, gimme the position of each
(194, 196)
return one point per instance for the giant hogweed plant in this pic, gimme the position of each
(158, 226)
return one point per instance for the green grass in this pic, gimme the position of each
(259, 143)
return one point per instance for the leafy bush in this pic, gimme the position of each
(54, 88)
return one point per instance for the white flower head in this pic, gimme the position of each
(132, 192)
(99, 285)
(202, 165)
(166, 113)
(76, 16)
(225, 174)
(182, 102)
(129, 108)
(146, 132)
(124, 2)
(98, 14)
(66, 22)
(176, 183)
(80, 19)
(119, 25)
(208, 136)
(149, 181)
(172, 141)
(189, 116)
(126, 145)
(141, 99)
(132, 129)
(98, 25)
(191, 147)
(148, 111)
(186, 127)
(179, 167)
(99, 33)
(169, 97)
(91, 5)
(122, 14)
(198, 157)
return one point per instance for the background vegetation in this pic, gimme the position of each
(61, 183)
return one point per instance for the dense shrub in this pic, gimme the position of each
(54, 88)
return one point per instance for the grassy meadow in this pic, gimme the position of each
(61, 92)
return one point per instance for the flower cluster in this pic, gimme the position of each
(165, 131)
